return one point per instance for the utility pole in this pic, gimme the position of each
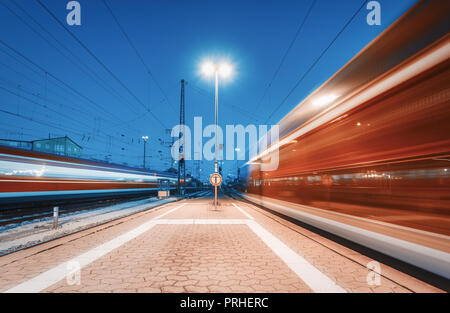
(181, 162)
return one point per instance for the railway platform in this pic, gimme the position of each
(189, 246)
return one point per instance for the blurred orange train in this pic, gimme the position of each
(367, 155)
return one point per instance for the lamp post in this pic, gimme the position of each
(223, 70)
(145, 138)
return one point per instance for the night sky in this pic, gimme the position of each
(65, 91)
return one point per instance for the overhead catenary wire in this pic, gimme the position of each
(149, 71)
(66, 128)
(86, 69)
(316, 61)
(275, 74)
(58, 83)
(59, 127)
(204, 93)
(66, 85)
(70, 118)
(97, 59)
(67, 100)
(53, 126)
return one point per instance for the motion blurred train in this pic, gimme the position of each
(29, 176)
(366, 156)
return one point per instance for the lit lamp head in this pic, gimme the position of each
(223, 69)
(208, 69)
(145, 138)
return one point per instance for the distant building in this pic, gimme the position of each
(60, 146)
(16, 144)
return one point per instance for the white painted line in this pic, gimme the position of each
(242, 211)
(367, 220)
(201, 221)
(433, 260)
(59, 272)
(314, 278)
(170, 211)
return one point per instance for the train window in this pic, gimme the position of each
(314, 179)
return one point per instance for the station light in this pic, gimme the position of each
(208, 69)
(225, 69)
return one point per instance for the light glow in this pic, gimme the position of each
(225, 70)
(208, 68)
(325, 100)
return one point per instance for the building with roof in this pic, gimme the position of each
(21, 144)
(59, 146)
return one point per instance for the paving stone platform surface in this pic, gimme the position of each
(188, 246)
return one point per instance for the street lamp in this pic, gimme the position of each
(225, 70)
(145, 138)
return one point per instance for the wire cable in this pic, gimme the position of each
(285, 54)
(98, 61)
(139, 55)
(316, 61)
(86, 69)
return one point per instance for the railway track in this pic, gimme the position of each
(40, 210)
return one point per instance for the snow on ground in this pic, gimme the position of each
(37, 231)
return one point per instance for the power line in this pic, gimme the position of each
(86, 69)
(316, 61)
(54, 92)
(74, 108)
(58, 79)
(52, 126)
(62, 115)
(203, 92)
(98, 61)
(45, 39)
(47, 73)
(138, 54)
(285, 55)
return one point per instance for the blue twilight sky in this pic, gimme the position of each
(65, 91)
